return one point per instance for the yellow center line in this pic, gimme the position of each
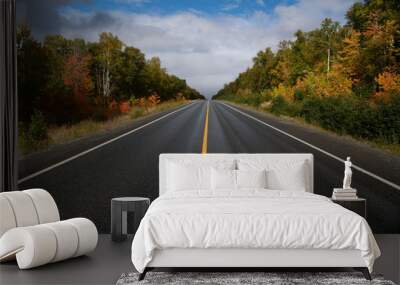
(205, 134)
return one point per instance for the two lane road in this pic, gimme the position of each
(128, 166)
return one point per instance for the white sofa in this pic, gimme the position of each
(31, 231)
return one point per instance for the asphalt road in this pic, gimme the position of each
(129, 166)
(126, 167)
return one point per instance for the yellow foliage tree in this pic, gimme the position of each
(286, 92)
(325, 85)
(389, 86)
(246, 92)
(350, 55)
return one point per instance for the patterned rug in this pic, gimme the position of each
(243, 278)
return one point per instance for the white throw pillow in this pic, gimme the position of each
(251, 178)
(223, 179)
(281, 174)
(188, 177)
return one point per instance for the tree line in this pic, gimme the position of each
(343, 78)
(63, 81)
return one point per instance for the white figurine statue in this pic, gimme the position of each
(347, 174)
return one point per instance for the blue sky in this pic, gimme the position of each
(205, 42)
(210, 7)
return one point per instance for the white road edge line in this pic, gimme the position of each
(98, 146)
(317, 148)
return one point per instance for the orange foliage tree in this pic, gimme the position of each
(77, 77)
(349, 57)
(153, 100)
(124, 107)
(389, 86)
(325, 85)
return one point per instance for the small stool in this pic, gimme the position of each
(119, 209)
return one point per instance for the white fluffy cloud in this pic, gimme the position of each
(207, 51)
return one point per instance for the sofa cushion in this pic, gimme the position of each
(45, 205)
(7, 220)
(23, 208)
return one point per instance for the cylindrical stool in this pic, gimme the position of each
(119, 213)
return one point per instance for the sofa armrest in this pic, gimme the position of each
(32, 246)
(41, 244)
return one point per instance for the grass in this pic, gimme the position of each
(390, 148)
(57, 135)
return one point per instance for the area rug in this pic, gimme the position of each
(269, 278)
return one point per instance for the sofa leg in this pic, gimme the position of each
(143, 274)
(365, 272)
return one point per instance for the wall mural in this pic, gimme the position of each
(105, 87)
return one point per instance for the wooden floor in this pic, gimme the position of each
(110, 260)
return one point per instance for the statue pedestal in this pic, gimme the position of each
(347, 190)
(345, 194)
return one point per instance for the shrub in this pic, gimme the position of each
(278, 104)
(137, 112)
(389, 121)
(37, 128)
(124, 107)
(153, 100)
(246, 96)
(298, 95)
(281, 107)
(99, 113)
(286, 92)
(354, 116)
(333, 113)
(113, 110)
(33, 135)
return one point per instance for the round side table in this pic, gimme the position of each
(119, 213)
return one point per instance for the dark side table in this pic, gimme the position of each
(357, 205)
(119, 214)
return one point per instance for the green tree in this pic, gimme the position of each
(129, 74)
(107, 54)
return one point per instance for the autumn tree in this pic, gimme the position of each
(349, 56)
(67, 80)
(388, 86)
(344, 78)
(77, 78)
